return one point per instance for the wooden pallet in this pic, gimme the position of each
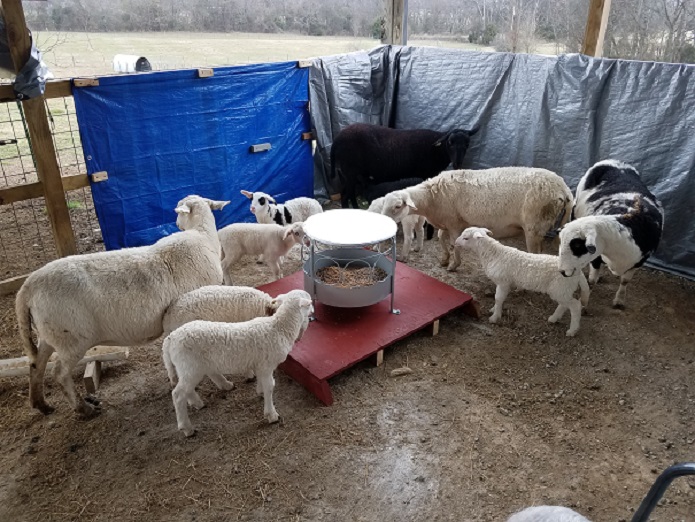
(342, 337)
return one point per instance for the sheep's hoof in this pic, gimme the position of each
(44, 408)
(92, 400)
(89, 411)
(571, 333)
(402, 259)
(198, 405)
(452, 268)
(444, 262)
(494, 319)
(189, 432)
(272, 417)
(553, 319)
(618, 305)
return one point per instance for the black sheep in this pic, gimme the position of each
(372, 192)
(364, 154)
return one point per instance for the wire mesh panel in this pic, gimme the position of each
(26, 240)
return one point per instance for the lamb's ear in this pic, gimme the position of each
(287, 233)
(590, 241)
(247, 194)
(183, 209)
(272, 307)
(441, 140)
(217, 205)
(409, 202)
(304, 303)
(478, 233)
(488, 232)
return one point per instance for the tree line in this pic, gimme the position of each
(637, 29)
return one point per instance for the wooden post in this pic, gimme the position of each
(396, 22)
(380, 357)
(596, 24)
(40, 134)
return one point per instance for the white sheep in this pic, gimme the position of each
(202, 348)
(411, 223)
(507, 200)
(113, 298)
(270, 241)
(267, 211)
(225, 304)
(547, 514)
(509, 267)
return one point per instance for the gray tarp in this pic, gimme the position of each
(562, 113)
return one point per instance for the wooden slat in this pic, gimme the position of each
(596, 23)
(92, 376)
(20, 365)
(40, 134)
(12, 284)
(54, 89)
(35, 190)
(396, 23)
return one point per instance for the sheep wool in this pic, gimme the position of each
(116, 297)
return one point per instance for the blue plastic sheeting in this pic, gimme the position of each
(563, 113)
(163, 136)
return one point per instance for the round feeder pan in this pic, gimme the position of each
(340, 297)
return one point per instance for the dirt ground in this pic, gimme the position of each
(493, 418)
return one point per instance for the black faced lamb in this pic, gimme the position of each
(616, 221)
(364, 154)
(201, 348)
(113, 298)
(507, 200)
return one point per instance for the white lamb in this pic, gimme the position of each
(202, 348)
(267, 211)
(509, 267)
(113, 298)
(225, 304)
(508, 200)
(547, 514)
(411, 223)
(271, 241)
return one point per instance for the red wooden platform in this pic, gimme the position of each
(342, 337)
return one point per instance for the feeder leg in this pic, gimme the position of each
(393, 276)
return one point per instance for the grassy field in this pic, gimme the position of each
(75, 54)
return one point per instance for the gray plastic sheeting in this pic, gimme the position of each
(30, 82)
(562, 113)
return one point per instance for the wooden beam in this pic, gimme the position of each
(20, 365)
(54, 89)
(396, 22)
(596, 24)
(40, 134)
(35, 190)
(92, 376)
(12, 284)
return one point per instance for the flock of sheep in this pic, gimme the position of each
(174, 287)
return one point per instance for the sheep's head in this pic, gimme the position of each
(577, 246)
(306, 307)
(192, 211)
(456, 143)
(470, 236)
(260, 201)
(398, 204)
(296, 231)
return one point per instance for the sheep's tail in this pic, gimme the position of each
(583, 289)
(24, 321)
(171, 371)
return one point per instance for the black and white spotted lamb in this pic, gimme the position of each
(616, 221)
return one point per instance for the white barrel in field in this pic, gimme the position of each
(129, 63)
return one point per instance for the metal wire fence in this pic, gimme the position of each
(26, 241)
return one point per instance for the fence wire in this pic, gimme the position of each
(26, 240)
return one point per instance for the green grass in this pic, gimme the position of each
(83, 54)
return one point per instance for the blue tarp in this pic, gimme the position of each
(165, 135)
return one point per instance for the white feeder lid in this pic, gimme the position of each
(349, 226)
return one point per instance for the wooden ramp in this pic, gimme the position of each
(342, 337)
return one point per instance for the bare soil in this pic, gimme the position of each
(493, 418)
